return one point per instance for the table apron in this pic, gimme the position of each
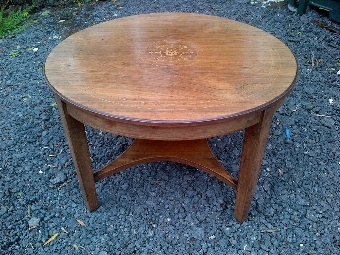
(163, 132)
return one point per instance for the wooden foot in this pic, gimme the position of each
(254, 144)
(76, 137)
(195, 153)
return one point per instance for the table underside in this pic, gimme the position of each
(193, 152)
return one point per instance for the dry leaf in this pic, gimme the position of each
(271, 230)
(33, 227)
(280, 171)
(75, 246)
(28, 212)
(81, 223)
(51, 239)
(63, 229)
(65, 183)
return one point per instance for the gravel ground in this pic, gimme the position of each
(168, 208)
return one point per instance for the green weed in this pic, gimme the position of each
(13, 22)
(81, 2)
(14, 54)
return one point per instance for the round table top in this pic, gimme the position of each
(171, 68)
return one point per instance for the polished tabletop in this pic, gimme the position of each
(171, 68)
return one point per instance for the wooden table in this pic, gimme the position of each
(171, 80)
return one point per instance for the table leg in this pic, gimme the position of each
(77, 141)
(254, 144)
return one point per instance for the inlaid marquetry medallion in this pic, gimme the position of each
(164, 53)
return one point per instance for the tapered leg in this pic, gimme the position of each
(76, 137)
(254, 144)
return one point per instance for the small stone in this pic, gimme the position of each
(67, 15)
(125, 186)
(223, 242)
(201, 216)
(3, 210)
(59, 178)
(33, 222)
(198, 233)
(227, 231)
(327, 122)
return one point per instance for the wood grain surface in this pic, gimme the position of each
(163, 68)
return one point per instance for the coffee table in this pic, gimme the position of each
(170, 81)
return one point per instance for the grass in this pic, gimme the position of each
(12, 22)
(81, 2)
